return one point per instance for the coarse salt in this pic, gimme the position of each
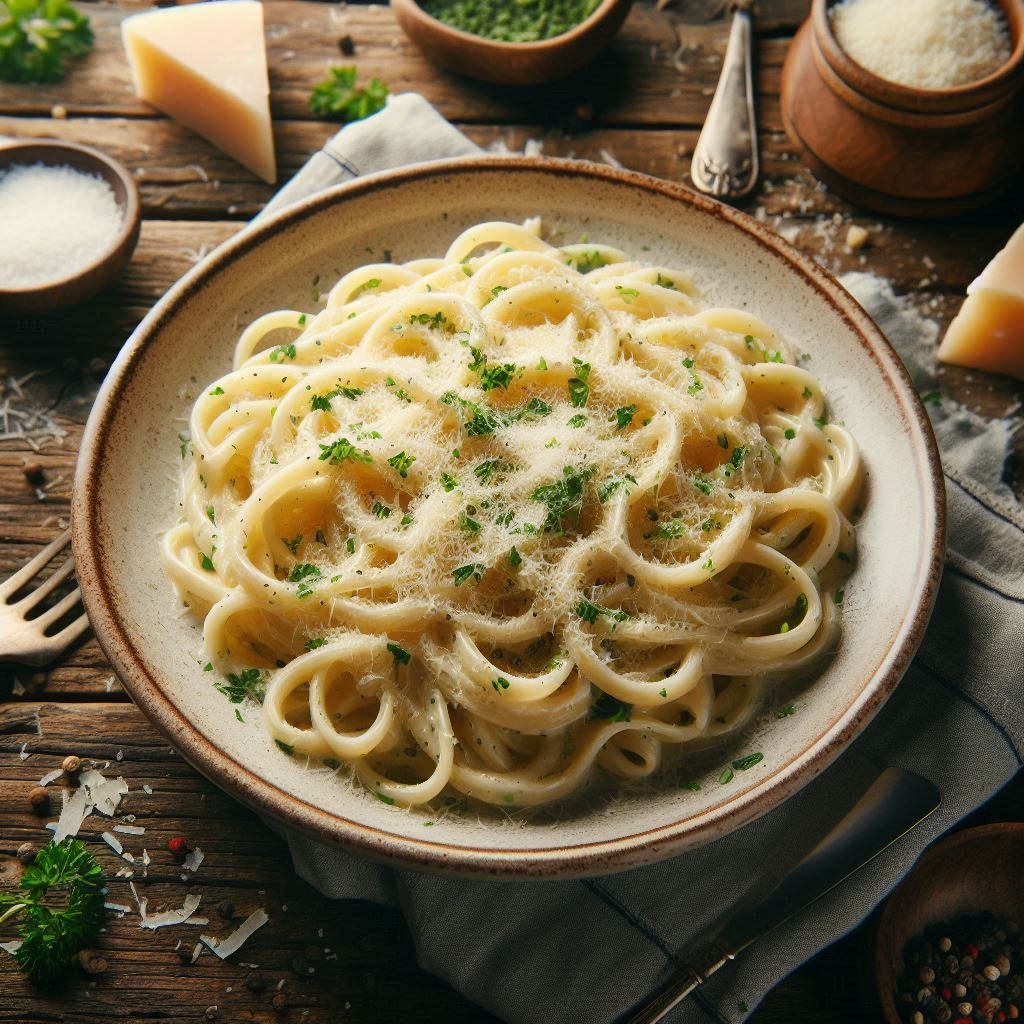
(926, 44)
(56, 222)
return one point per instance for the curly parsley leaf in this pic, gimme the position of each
(38, 38)
(338, 97)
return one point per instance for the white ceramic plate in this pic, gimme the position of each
(126, 494)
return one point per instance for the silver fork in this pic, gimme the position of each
(24, 640)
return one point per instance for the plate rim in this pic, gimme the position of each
(577, 859)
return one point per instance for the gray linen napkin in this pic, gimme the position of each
(585, 951)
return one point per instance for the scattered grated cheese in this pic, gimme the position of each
(10, 947)
(169, 917)
(193, 859)
(76, 809)
(197, 952)
(104, 793)
(130, 830)
(23, 754)
(118, 908)
(233, 942)
(113, 842)
(51, 776)
(17, 688)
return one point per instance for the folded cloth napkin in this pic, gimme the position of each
(585, 951)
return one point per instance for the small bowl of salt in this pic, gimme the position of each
(70, 217)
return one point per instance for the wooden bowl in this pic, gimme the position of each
(978, 869)
(897, 149)
(101, 272)
(511, 63)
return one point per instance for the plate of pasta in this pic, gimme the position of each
(518, 517)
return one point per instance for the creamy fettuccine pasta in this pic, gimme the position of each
(491, 522)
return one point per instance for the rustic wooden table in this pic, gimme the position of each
(642, 105)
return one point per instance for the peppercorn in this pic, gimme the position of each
(927, 975)
(965, 1009)
(917, 1018)
(33, 473)
(1003, 963)
(226, 909)
(71, 764)
(991, 972)
(279, 1002)
(945, 944)
(211, 1012)
(39, 799)
(26, 853)
(91, 961)
(254, 981)
(943, 1014)
(178, 846)
(347, 45)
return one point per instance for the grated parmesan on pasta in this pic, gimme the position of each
(492, 520)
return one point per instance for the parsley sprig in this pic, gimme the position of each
(338, 97)
(39, 37)
(59, 908)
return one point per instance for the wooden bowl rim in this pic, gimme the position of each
(939, 850)
(48, 152)
(496, 47)
(959, 97)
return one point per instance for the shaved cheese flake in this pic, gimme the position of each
(51, 776)
(170, 917)
(193, 859)
(103, 792)
(118, 908)
(130, 830)
(76, 809)
(197, 952)
(112, 841)
(10, 947)
(233, 942)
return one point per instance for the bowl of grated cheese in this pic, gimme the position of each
(913, 109)
(71, 219)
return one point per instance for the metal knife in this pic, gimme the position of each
(896, 802)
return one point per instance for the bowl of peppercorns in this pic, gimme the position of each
(949, 948)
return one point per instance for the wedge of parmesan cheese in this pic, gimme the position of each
(988, 332)
(205, 65)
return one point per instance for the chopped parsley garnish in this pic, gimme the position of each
(709, 566)
(216, 391)
(498, 289)
(723, 440)
(929, 398)
(626, 294)
(701, 482)
(789, 434)
(807, 393)
(286, 747)
(821, 421)
(38, 39)
(499, 376)
(401, 463)
(671, 529)
(577, 421)
(434, 320)
(579, 390)
(400, 654)
(710, 524)
(211, 514)
(468, 524)
(606, 490)
(586, 262)
(726, 776)
(350, 545)
(696, 384)
(514, 558)
(611, 708)
(406, 520)
(246, 685)
(664, 282)
(206, 561)
(343, 450)
(623, 416)
(742, 764)
(384, 798)
(785, 711)
(380, 510)
(500, 683)
(485, 471)
(183, 446)
(564, 499)
(466, 572)
(688, 362)
(837, 597)
(282, 352)
(542, 364)
(448, 482)
(293, 544)
(314, 642)
(589, 612)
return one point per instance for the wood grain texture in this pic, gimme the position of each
(640, 105)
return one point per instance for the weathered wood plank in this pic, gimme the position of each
(332, 958)
(658, 71)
